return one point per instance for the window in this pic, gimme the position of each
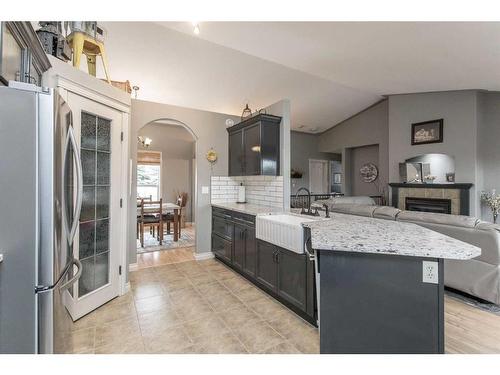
(148, 175)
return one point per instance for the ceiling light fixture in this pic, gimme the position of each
(196, 28)
(144, 141)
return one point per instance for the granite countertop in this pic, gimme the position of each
(368, 235)
(248, 208)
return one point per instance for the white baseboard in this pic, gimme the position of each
(133, 267)
(203, 256)
(127, 287)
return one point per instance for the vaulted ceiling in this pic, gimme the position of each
(329, 70)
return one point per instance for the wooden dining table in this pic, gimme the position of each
(165, 208)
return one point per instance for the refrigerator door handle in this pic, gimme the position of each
(71, 231)
(74, 279)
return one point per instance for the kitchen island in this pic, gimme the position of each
(381, 286)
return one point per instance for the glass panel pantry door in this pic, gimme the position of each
(97, 241)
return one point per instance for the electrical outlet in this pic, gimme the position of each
(430, 273)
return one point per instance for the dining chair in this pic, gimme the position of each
(169, 217)
(151, 216)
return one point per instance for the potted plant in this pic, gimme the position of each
(492, 200)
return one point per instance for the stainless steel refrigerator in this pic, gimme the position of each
(40, 203)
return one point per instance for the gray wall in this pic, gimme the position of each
(176, 145)
(488, 146)
(369, 127)
(458, 109)
(210, 131)
(304, 146)
(360, 156)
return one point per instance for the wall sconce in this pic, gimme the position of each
(144, 141)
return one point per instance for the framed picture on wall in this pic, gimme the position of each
(427, 132)
(337, 178)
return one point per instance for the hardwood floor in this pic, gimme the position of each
(469, 330)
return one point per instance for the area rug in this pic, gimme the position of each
(187, 239)
(479, 304)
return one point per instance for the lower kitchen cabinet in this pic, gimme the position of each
(285, 275)
(250, 254)
(239, 246)
(221, 247)
(267, 270)
(292, 278)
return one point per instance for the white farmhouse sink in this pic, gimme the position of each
(283, 230)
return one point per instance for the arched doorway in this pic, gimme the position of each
(166, 170)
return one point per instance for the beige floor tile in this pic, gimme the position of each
(153, 323)
(188, 296)
(189, 312)
(250, 293)
(173, 286)
(210, 289)
(209, 326)
(112, 312)
(133, 346)
(306, 340)
(145, 290)
(283, 348)
(171, 340)
(156, 303)
(87, 321)
(287, 322)
(239, 317)
(226, 343)
(224, 274)
(142, 275)
(266, 308)
(82, 340)
(224, 302)
(170, 276)
(258, 337)
(236, 284)
(202, 279)
(118, 330)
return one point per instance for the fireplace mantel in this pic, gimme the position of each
(458, 193)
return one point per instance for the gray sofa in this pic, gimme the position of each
(480, 276)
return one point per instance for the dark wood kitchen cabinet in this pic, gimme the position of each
(285, 275)
(267, 270)
(254, 146)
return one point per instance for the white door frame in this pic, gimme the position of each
(67, 79)
(326, 163)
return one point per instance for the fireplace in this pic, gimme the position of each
(440, 206)
(445, 198)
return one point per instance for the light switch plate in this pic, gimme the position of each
(205, 190)
(430, 273)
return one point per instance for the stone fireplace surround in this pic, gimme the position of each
(457, 193)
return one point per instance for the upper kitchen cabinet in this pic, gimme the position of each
(254, 146)
(22, 57)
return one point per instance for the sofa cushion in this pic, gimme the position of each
(484, 225)
(362, 210)
(434, 218)
(386, 212)
(340, 208)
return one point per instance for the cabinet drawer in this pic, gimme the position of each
(221, 247)
(244, 218)
(222, 226)
(221, 212)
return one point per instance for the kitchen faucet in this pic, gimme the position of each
(308, 211)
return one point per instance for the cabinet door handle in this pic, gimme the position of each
(277, 256)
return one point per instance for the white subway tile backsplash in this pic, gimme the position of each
(264, 190)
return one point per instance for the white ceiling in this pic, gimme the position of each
(329, 70)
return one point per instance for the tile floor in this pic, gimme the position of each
(178, 305)
(193, 307)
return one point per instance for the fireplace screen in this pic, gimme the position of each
(441, 206)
